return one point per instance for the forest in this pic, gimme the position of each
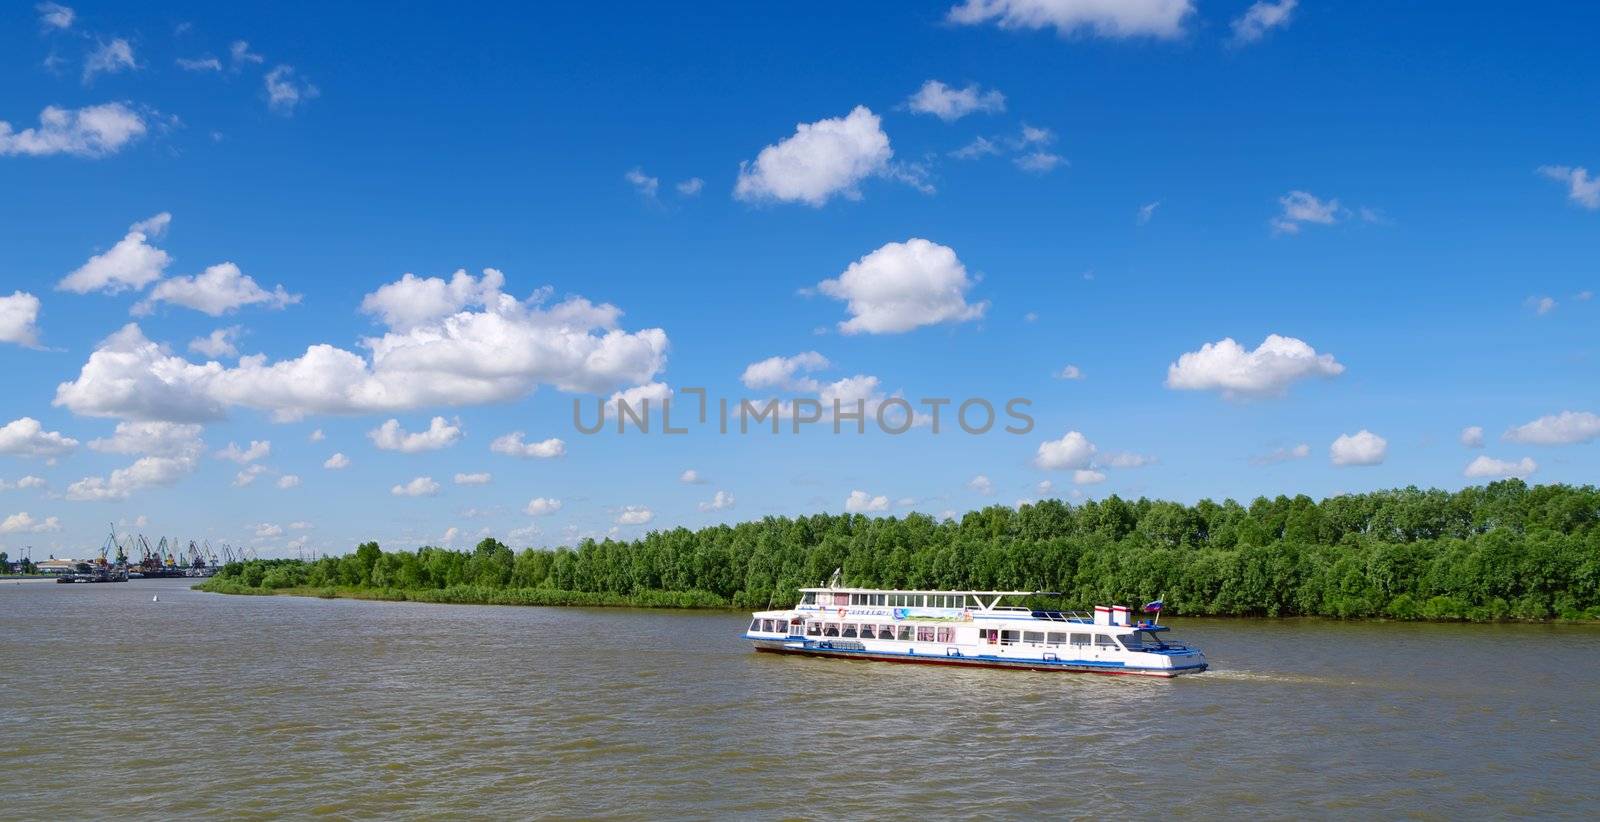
(1504, 551)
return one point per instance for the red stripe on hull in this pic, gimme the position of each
(859, 656)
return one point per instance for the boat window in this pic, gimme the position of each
(841, 599)
(1009, 637)
(906, 632)
(849, 630)
(886, 632)
(867, 631)
(809, 599)
(1033, 636)
(755, 624)
(813, 629)
(1056, 638)
(1132, 641)
(946, 635)
(924, 634)
(831, 630)
(1104, 641)
(1080, 639)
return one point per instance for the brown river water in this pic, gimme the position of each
(205, 705)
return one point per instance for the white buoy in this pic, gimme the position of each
(156, 598)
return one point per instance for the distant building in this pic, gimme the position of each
(56, 566)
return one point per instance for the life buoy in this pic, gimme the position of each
(842, 612)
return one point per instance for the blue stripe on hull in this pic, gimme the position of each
(1075, 666)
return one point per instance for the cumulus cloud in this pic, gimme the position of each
(1565, 428)
(646, 185)
(1360, 448)
(902, 286)
(199, 64)
(219, 343)
(55, 15)
(541, 507)
(108, 58)
(336, 462)
(1277, 455)
(822, 160)
(156, 438)
(980, 484)
(635, 397)
(249, 475)
(691, 187)
(1542, 305)
(634, 515)
(316, 436)
(782, 372)
(417, 487)
(171, 451)
(1582, 189)
(1116, 19)
(691, 477)
(1261, 18)
(91, 131)
(1087, 476)
(512, 445)
(19, 319)
(1069, 372)
(1072, 451)
(221, 288)
(470, 357)
(258, 449)
(239, 54)
(413, 301)
(23, 523)
(720, 501)
(474, 479)
(861, 502)
(951, 104)
(1126, 459)
(390, 436)
(285, 91)
(24, 484)
(1301, 207)
(1267, 371)
(268, 530)
(288, 481)
(26, 437)
(1488, 467)
(131, 264)
(1472, 436)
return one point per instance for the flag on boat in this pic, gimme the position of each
(1154, 607)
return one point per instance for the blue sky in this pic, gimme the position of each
(953, 200)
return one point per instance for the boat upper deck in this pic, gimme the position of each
(945, 605)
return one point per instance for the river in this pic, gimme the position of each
(204, 704)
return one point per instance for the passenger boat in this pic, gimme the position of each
(970, 628)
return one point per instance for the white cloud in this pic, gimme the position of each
(1104, 18)
(1542, 305)
(512, 445)
(239, 53)
(268, 530)
(474, 479)
(131, 264)
(1582, 189)
(720, 501)
(1045, 488)
(1039, 161)
(221, 288)
(1301, 207)
(285, 91)
(1087, 476)
(1147, 211)
(24, 484)
(979, 147)
(1069, 372)
(413, 301)
(691, 186)
(300, 525)
(1472, 436)
(951, 104)
(646, 185)
(171, 452)
(498, 354)
(1126, 459)
(541, 507)
(691, 477)
(1260, 18)
(902, 286)
(336, 462)
(418, 487)
(91, 131)
(1485, 466)
(316, 436)
(634, 515)
(257, 450)
(108, 58)
(26, 437)
(656, 393)
(249, 475)
(860, 502)
(1073, 450)
(1277, 455)
(981, 485)
(219, 343)
(55, 15)
(19, 318)
(1360, 448)
(1267, 371)
(823, 159)
(199, 64)
(1565, 428)
(390, 436)
(23, 523)
(780, 372)
(288, 481)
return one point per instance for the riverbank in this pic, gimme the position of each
(479, 595)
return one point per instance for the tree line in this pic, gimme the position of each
(1501, 551)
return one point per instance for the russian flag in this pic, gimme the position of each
(1154, 607)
